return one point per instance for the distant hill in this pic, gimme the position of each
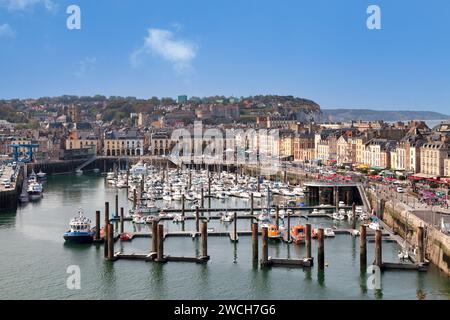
(336, 115)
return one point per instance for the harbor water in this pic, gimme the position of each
(34, 258)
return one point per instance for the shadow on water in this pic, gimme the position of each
(158, 280)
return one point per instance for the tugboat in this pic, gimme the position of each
(80, 230)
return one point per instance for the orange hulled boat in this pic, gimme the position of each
(273, 232)
(298, 234)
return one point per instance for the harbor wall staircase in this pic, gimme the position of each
(86, 163)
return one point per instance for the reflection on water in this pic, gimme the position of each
(38, 258)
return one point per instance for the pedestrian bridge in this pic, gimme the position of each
(325, 184)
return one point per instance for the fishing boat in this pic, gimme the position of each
(34, 190)
(80, 230)
(298, 234)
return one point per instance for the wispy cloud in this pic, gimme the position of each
(17, 5)
(6, 31)
(164, 44)
(85, 66)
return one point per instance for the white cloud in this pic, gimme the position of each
(162, 43)
(84, 66)
(16, 5)
(6, 31)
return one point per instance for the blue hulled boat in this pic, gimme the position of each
(80, 230)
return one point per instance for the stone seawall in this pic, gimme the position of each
(403, 221)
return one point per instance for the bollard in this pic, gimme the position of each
(308, 241)
(320, 250)
(121, 221)
(265, 247)
(420, 245)
(363, 248)
(204, 238)
(255, 241)
(97, 225)
(378, 250)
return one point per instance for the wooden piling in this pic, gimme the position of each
(308, 241)
(235, 226)
(134, 199)
(154, 236)
(255, 241)
(110, 243)
(420, 245)
(196, 219)
(378, 250)
(204, 238)
(106, 232)
(277, 216)
(363, 247)
(183, 200)
(209, 193)
(121, 220)
(160, 243)
(336, 199)
(320, 249)
(288, 235)
(202, 198)
(354, 216)
(265, 247)
(97, 225)
(117, 205)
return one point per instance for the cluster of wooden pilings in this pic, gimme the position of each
(157, 243)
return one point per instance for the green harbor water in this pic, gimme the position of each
(34, 259)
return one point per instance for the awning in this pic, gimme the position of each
(424, 176)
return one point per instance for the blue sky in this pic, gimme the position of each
(319, 49)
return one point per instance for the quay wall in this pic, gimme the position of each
(398, 217)
(55, 167)
(9, 199)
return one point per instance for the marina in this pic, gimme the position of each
(230, 250)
